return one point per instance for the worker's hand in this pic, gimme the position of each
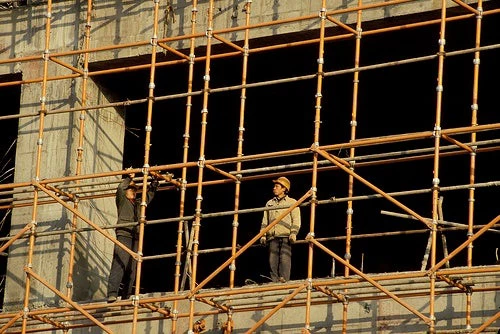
(155, 184)
(263, 241)
(292, 238)
(131, 175)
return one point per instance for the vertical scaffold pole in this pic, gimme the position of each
(241, 131)
(145, 167)
(472, 173)
(182, 227)
(79, 157)
(39, 143)
(314, 181)
(352, 155)
(201, 159)
(435, 180)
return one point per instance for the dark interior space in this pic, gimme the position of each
(7, 155)
(392, 100)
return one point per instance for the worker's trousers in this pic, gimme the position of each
(280, 259)
(123, 267)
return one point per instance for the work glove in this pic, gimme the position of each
(292, 238)
(263, 241)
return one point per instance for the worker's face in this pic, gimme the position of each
(279, 190)
(130, 193)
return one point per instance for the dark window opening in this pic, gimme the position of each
(7, 158)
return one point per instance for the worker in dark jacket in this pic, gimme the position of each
(123, 267)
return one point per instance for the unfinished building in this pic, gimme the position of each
(383, 114)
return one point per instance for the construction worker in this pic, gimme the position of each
(123, 267)
(280, 238)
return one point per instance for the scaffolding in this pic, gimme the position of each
(435, 275)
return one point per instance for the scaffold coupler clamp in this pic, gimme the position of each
(309, 236)
(135, 300)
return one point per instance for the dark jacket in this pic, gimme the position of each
(129, 211)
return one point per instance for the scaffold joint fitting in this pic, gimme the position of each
(309, 236)
(232, 267)
(474, 106)
(442, 41)
(480, 13)
(353, 123)
(321, 60)
(437, 131)
(148, 128)
(39, 142)
(347, 256)
(201, 162)
(322, 13)
(435, 182)
(349, 211)
(69, 285)
(439, 88)
(235, 223)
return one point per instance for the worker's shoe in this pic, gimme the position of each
(112, 299)
(282, 280)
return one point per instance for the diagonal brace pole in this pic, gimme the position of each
(277, 308)
(391, 199)
(85, 219)
(370, 280)
(67, 300)
(465, 244)
(249, 243)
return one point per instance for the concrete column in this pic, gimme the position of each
(103, 151)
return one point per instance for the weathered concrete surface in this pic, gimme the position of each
(22, 32)
(102, 151)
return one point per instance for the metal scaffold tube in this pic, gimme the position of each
(435, 180)
(182, 226)
(201, 162)
(68, 191)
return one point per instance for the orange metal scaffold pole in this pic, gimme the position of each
(182, 227)
(472, 170)
(145, 171)
(314, 180)
(43, 100)
(435, 180)
(201, 160)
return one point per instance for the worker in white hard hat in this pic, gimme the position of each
(280, 238)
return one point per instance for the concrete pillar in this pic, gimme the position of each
(103, 151)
